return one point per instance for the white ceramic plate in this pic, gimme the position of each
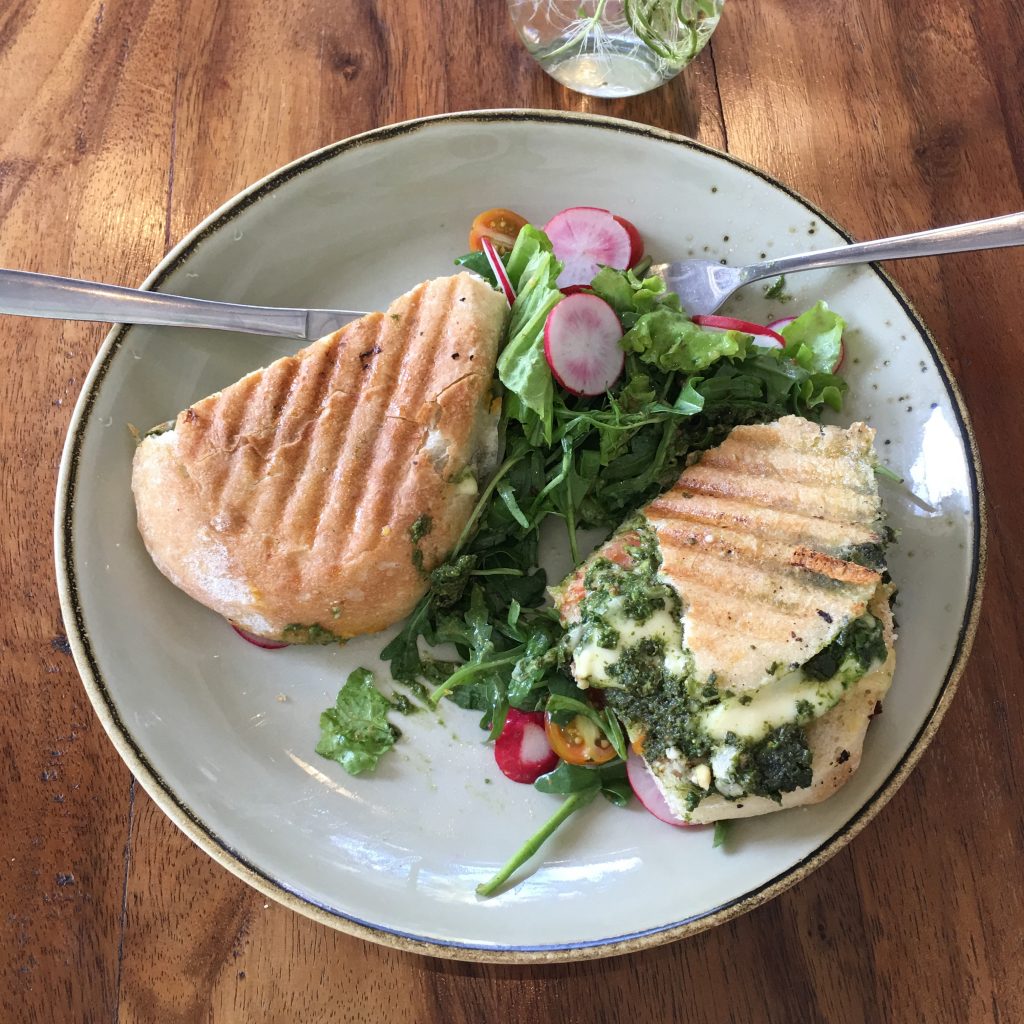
(222, 734)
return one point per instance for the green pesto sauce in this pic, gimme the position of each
(419, 529)
(315, 634)
(777, 290)
(664, 704)
(777, 764)
(872, 554)
(862, 642)
(670, 707)
(401, 703)
(641, 591)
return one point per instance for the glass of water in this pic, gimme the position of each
(614, 47)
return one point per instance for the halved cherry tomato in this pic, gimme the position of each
(579, 741)
(500, 226)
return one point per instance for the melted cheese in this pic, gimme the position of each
(591, 661)
(772, 705)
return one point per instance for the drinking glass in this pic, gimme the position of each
(614, 47)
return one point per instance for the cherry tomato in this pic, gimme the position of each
(579, 741)
(500, 226)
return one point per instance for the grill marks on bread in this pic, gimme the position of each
(751, 537)
(314, 468)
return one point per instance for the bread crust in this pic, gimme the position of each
(289, 498)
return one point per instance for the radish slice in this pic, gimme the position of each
(842, 356)
(498, 269)
(636, 243)
(647, 790)
(765, 337)
(584, 239)
(581, 343)
(778, 325)
(522, 751)
(259, 641)
(575, 289)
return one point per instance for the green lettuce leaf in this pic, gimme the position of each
(630, 296)
(356, 732)
(522, 366)
(814, 339)
(671, 341)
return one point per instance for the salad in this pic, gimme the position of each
(608, 387)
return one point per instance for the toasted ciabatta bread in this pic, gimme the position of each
(757, 539)
(310, 499)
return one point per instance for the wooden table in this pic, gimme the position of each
(124, 122)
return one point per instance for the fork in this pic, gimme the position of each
(703, 285)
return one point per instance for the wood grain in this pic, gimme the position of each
(126, 121)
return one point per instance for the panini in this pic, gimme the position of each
(740, 625)
(310, 500)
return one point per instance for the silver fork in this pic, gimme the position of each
(703, 285)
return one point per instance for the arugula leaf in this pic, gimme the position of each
(532, 669)
(478, 263)
(567, 779)
(580, 787)
(356, 732)
(568, 806)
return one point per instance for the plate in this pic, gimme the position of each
(221, 734)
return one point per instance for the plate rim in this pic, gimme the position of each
(223, 853)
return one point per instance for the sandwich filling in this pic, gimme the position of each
(629, 643)
(739, 625)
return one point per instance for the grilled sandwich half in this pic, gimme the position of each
(309, 500)
(740, 625)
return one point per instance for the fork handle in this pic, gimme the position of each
(993, 233)
(64, 298)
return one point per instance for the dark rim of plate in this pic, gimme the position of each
(213, 844)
